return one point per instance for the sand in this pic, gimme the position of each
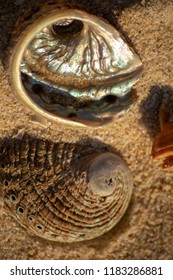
(145, 231)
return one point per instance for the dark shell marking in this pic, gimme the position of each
(63, 192)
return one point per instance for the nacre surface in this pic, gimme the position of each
(74, 66)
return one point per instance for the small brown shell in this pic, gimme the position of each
(163, 143)
(63, 192)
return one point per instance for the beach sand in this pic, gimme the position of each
(145, 231)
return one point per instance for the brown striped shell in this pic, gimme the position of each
(63, 192)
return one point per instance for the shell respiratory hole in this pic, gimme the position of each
(61, 191)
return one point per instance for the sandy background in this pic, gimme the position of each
(146, 230)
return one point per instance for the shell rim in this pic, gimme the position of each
(17, 54)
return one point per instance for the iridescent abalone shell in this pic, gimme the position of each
(73, 59)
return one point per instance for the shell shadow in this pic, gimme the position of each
(149, 108)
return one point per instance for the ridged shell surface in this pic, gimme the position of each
(63, 192)
(87, 50)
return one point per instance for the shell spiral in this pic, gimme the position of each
(61, 191)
